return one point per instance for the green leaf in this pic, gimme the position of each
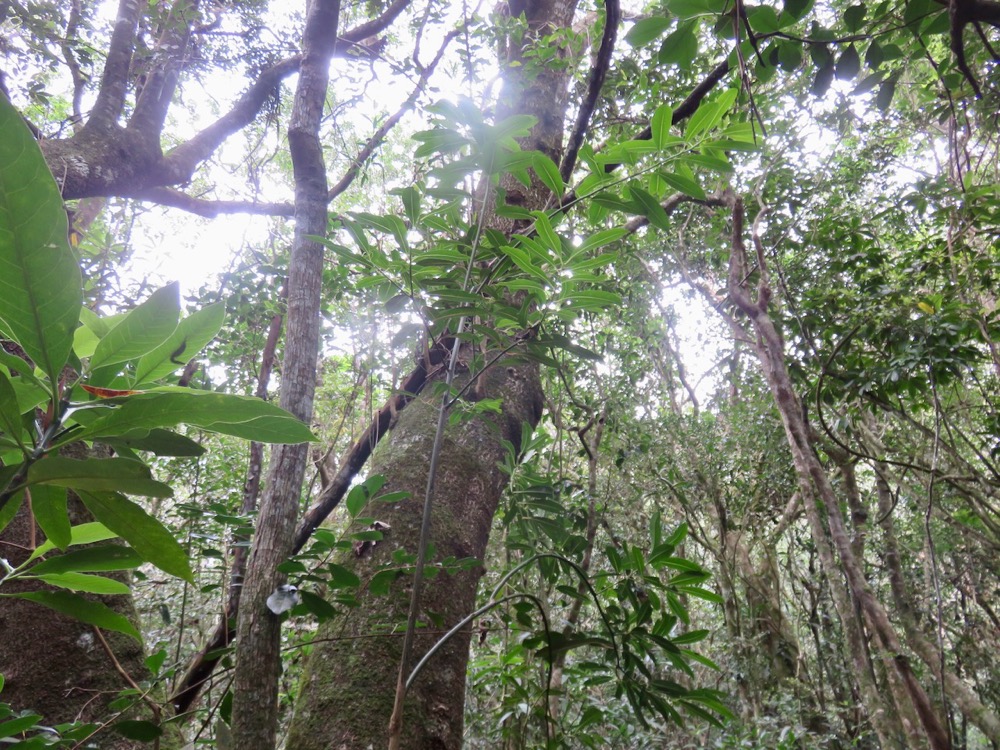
(103, 557)
(651, 208)
(593, 299)
(360, 494)
(136, 729)
(160, 442)
(681, 46)
(84, 533)
(342, 578)
(116, 474)
(710, 114)
(854, 17)
(547, 172)
(686, 184)
(92, 613)
(885, 93)
(546, 233)
(40, 282)
(790, 54)
(192, 334)
(240, 416)
(646, 30)
(13, 504)
(83, 582)
(48, 505)
(381, 581)
(849, 64)
(660, 125)
(142, 330)
(601, 238)
(19, 725)
(144, 533)
(317, 605)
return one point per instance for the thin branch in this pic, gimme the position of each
(208, 208)
(157, 91)
(598, 72)
(379, 135)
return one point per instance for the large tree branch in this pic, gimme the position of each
(157, 92)
(179, 165)
(114, 81)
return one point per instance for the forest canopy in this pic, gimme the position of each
(538, 374)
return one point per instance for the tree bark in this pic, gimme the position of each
(258, 663)
(812, 477)
(346, 697)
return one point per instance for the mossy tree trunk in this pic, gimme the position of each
(347, 692)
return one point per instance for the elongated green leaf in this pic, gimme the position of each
(18, 725)
(686, 184)
(83, 582)
(10, 413)
(661, 123)
(240, 416)
(651, 208)
(9, 509)
(145, 534)
(40, 282)
(142, 330)
(546, 233)
(593, 299)
(710, 114)
(48, 505)
(160, 442)
(601, 238)
(113, 474)
(84, 533)
(92, 613)
(192, 334)
(90, 560)
(547, 172)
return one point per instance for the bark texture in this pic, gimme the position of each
(346, 697)
(258, 665)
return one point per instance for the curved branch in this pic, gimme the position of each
(373, 27)
(598, 72)
(179, 165)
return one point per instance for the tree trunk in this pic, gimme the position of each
(812, 477)
(258, 662)
(346, 697)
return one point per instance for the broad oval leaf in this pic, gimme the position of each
(40, 281)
